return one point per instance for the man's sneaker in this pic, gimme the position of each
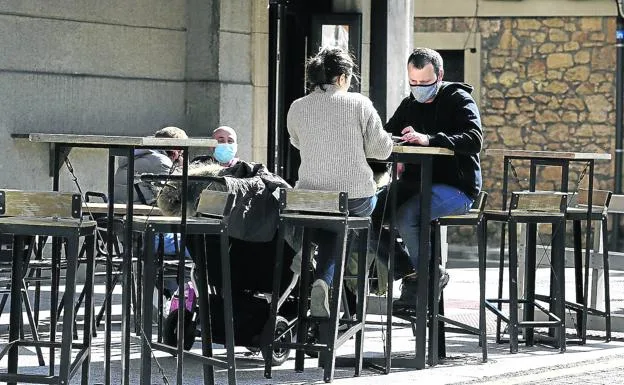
(409, 294)
(319, 299)
(444, 280)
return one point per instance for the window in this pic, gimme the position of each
(453, 65)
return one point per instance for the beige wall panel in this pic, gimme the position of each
(202, 107)
(202, 40)
(153, 13)
(260, 116)
(44, 45)
(260, 16)
(25, 165)
(66, 104)
(235, 57)
(90, 167)
(260, 59)
(260, 154)
(236, 15)
(236, 111)
(400, 45)
(364, 69)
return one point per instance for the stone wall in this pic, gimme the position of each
(547, 84)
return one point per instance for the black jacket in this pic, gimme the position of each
(255, 214)
(451, 121)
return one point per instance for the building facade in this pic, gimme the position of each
(543, 72)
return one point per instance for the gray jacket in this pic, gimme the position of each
(145, 161)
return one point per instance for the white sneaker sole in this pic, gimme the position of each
(319, 303)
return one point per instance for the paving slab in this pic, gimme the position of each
(597, 362)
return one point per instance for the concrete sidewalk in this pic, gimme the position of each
(596, 362)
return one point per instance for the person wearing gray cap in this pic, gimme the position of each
(148, 161)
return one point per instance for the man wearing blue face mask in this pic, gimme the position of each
(437, 114)
(225, 151)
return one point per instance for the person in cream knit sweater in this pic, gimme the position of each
(335, 132)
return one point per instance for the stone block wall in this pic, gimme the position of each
(85, 67)
(126, 68)
(547, 84)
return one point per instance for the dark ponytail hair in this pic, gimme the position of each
(327, 65)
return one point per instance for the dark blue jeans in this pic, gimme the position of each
(330, 247)
(445, 200)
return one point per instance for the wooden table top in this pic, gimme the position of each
(528, 154)
(421, 150)
(119, 209)
(128, 141)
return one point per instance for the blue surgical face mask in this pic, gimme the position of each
(422, 93)
(225, 152)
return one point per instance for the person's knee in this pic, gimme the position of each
(401, 220)
(407, 220)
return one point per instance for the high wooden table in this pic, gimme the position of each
(560, 159)
(422, 156)
(60, 146)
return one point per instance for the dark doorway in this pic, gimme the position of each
(453, 65)
(289, 31)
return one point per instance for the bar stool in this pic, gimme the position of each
(6, 263)
(213, 208)
(53, 214)
(93, 200)
(437, 319)
(311, 209)
(577, 213)
(533, 208)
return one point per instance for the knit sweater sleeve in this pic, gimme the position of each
(377, 142)
(291, 125)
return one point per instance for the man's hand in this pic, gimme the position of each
(411, 136)
(400, 169)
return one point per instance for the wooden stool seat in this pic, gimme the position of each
(499, 215)
(42, 223)
(55, 214)
(172, 224)
(470, 218)
(581, 212)
(119, 208)
(327, 220)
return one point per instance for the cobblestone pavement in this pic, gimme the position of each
(599, 372)
(596, 362)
